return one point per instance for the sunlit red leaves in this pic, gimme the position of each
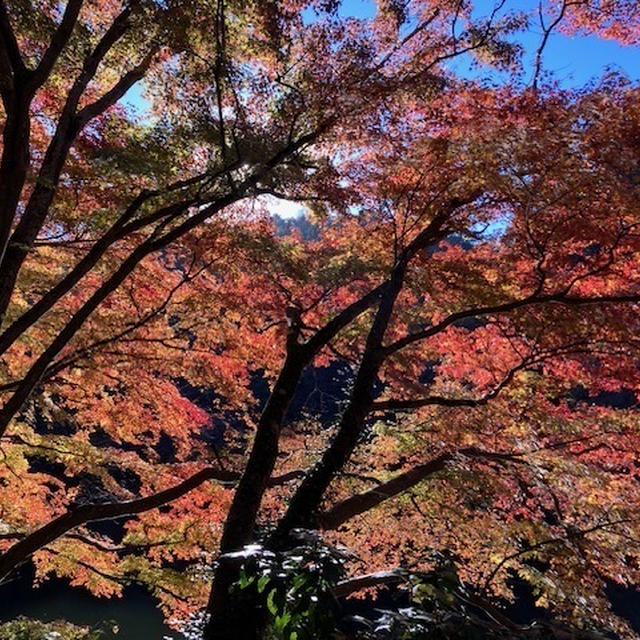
(178, 350)
(615, 19)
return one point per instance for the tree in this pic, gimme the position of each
(473, 272)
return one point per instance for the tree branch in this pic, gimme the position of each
(83, 514)
(380, 578)
(68, 126)
(118, 90)
(308, 496)
(75, 517)
(401, 404)
(561, 297)
(571, 534)
(346, 509)
(152, 244)
(8, 43)
(344, 318)
(58, 42)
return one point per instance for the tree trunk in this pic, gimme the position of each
(231, 615)
(13, 167)
(306, 501)
(234, 615)
(36, 210)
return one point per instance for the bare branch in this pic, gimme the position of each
(546, 33)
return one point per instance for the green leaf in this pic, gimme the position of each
(282, 621)
(263, 581)
(271, 605)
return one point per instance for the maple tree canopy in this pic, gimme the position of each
(469, 279)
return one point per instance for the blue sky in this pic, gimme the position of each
(573, 60)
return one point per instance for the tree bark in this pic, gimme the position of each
(303, 505)
(14, 164)
(31, 221)
(230, 616)
(16, 247)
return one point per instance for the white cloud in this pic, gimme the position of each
(283, 208)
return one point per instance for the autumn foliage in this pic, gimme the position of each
(470, 277)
